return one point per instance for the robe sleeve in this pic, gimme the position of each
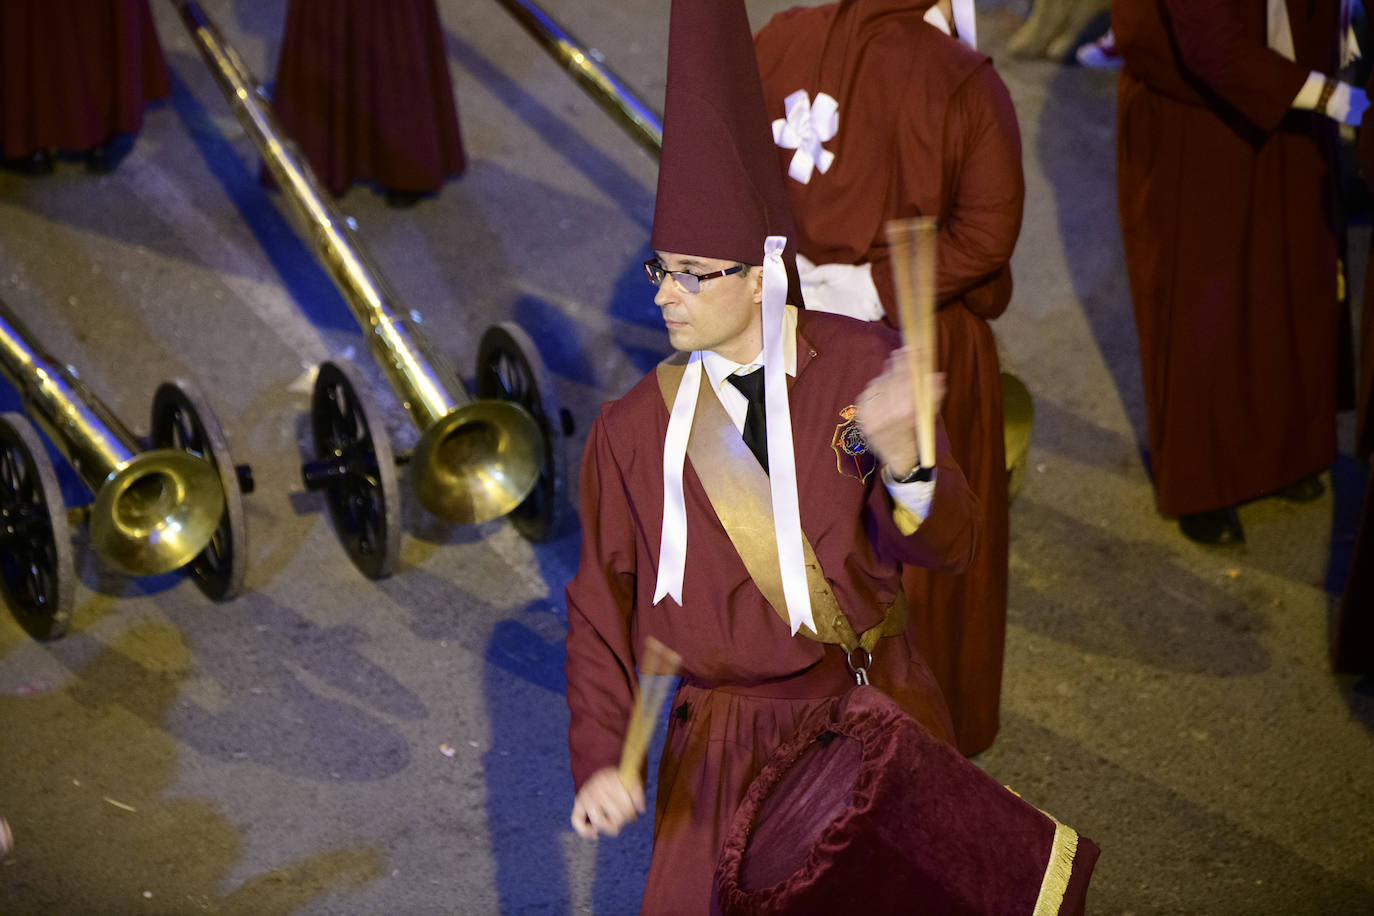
(977, 234)
(947, 539)
(1247, 74)
(600, 667)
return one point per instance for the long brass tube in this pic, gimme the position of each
(154, 510)
(591, 73)
(475, 460)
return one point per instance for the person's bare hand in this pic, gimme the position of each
(886, 412)
(604, 804)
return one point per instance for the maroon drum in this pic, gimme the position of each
(864, 808)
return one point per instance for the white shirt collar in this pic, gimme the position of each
(718, 368)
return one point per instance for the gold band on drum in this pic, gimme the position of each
(1018, 411)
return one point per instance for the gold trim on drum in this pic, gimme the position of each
(1058, 871)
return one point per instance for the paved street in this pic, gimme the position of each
(284, 752)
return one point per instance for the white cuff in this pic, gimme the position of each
(915, 497)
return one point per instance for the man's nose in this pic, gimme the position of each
(665, 294)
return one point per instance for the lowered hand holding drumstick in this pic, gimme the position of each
(614, 796)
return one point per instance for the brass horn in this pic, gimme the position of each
(154, 510)
(476, 459)
(588, 69)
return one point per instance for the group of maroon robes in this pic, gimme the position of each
(74, 73)
(747, 683)
(925, 128)
(364, 89)
(1230, 218)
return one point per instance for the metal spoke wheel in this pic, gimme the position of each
(182, 420)
(36, 569)
(509, 367)
(355, 467)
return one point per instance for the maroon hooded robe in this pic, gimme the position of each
(1229, 220)
(926, 127)
(73, 73)
(747, 683)
(364, 90)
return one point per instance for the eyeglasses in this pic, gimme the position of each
(685, 280)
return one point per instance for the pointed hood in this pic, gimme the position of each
(719, 191)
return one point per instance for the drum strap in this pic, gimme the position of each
(737, 487)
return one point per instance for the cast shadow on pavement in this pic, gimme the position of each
(636, 201)
(1167, 850)
(269, 705)
(87, 793)
(1076, 148)
(1084, 586)
(301, 276)
(528, 805)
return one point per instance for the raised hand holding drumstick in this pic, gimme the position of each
(897, 410)
(614, 796)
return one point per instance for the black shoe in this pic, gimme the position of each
(1304, 491)
(1217, 528)
(100, 160)
(39, 163)
(402, 199)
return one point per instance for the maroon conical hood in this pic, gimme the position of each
(719, 189)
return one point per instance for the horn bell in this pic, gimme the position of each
(477, 462)
(156, 512)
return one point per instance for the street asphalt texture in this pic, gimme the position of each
(329, 744)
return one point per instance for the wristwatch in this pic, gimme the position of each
(916, 474)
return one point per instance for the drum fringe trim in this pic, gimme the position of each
(1057, 873)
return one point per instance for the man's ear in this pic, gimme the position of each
(756, 278)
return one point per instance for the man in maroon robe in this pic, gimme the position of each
(924, 127)
(663, 555)
(73, 75)
(364, 90)
(1226, 130)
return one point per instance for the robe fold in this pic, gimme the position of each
(364, 89)
(73, 73)
(746, 681)
(925, 128)
(1229, 218)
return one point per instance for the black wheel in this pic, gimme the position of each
(509, 367)
(355, 467)
(36, 569)
(182, 420)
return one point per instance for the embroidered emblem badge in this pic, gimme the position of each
(852, 457)
(807, 125)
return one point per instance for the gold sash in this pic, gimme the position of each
(737, 487)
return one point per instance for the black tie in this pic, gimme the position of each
(756, 420)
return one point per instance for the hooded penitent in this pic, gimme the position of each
(720, 196)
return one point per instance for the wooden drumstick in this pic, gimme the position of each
(912, 243)
(656, 672)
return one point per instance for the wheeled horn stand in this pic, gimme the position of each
(476, 460)
(176, 504)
